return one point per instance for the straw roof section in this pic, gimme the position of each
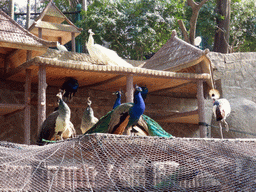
(12, 35)
(15, 41)
(50, 20)
(180, 56)
(97, 76)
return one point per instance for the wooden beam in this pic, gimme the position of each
(27, 110)
(40, 32)
(171, 88)
(73, 41)
(17, 70)
(201, 109)
(41, 95)
(129, 88)
(103, 82)
(176, 115)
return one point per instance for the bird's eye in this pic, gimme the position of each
(213, 95)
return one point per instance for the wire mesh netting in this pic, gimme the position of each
(104, 162)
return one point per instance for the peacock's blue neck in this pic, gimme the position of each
(139, 106)
(118, 101)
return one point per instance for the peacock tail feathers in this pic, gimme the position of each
(102, 125)
(154, 128)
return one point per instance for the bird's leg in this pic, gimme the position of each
(226, 125)
(220, 130)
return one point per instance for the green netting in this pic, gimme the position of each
(104, 162)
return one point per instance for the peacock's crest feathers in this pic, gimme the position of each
(214, 94)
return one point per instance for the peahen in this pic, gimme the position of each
(221, 109)
(88, 119)
(144, 127)
(70, 87)
(57, 125)
(103, 54)
(118, 98)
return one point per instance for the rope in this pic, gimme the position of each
(207, 125)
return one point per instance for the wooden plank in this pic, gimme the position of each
(27, 113)
(172, 88)
(7, 109)
(103, 82)
(176, 115)
(201, 109)
(17, 70)
(41, 95)
(22, 46)
(73, 41)
(40, 32)
(129, 88)
(56, 27)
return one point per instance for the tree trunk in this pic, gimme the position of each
(221, 41)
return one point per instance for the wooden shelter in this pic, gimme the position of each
(53, 25)
(52, 68)
(181, 57)
(18, 45)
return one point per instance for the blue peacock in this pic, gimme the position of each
(128, 119)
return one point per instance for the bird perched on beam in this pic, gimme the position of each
(118, 98)
(69, 87)
(61, 47)
(221, 109)
(127, 115)
(103, 54)
(145, 126)
(88, 119)
(57, 125)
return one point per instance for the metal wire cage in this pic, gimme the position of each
(104, 162)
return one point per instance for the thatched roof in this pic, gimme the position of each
(12, 35)
(50, 21)
(15, 41)
(180, 56)
(103, 77)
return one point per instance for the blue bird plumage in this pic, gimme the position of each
(118, 99)
(144, 92)
(144, 123)
(70, 87)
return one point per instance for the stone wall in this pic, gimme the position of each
(235, 77)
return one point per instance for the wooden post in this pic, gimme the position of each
(201, 109)
(73, 40)
(129, 88)
(40, 32)
(27, 112)
(41, 95)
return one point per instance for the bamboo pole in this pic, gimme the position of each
(27, 110)
(129, 88)
(41, 95)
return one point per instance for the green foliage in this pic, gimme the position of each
(137, 28)
(134, 28)
(243, 26)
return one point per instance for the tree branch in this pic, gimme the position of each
(184, 31)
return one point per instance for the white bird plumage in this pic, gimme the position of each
(88, 119)
(61, 47)
(221, 109)
(104, 55)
